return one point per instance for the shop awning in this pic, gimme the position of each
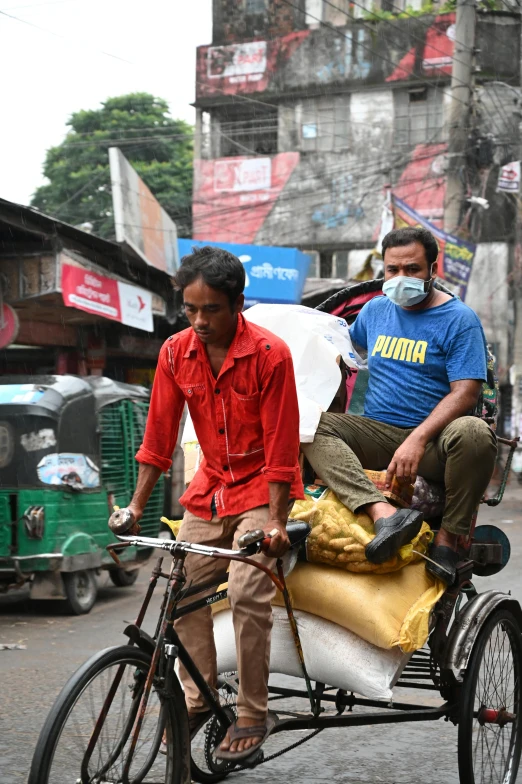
(272, 274)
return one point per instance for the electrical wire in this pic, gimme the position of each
(64, 37)
(415, 37)
(374, 53)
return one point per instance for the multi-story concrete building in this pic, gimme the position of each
(307, 110)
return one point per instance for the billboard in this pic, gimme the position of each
(139, 219)
(233, 196)
(455, 255)
(113, 299)
(275, 275)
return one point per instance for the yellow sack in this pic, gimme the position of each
(386, 610)
(174, 525)
(339, 537)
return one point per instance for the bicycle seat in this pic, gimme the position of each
(297, 532)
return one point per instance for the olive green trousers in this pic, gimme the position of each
(462, 458)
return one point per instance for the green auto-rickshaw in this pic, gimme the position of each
(67, 447)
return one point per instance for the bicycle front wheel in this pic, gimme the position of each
(89, 731)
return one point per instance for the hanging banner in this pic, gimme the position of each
(387, 220)
(509, 177)
(455, 255)
(112, 299)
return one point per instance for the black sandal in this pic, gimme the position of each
(442, 563)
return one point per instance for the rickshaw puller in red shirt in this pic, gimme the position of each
(238, 381)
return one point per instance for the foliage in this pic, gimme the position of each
(429, 7)
(159, 147)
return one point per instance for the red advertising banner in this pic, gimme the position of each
(233, 196)
(102, 296)
(244, 67)
(422, 183)
(437, 55)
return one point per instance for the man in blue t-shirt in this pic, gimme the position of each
(426, 362)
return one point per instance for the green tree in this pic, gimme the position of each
(159, 147)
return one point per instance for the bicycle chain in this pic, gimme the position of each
(289, 748)
(237, 768)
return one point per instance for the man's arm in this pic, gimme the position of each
(161, 433)
(280, 418)
(461, 399)
(148, 475)
(277, 517)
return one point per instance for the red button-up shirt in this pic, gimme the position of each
(246, 419)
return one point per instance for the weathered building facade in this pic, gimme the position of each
(308, 111)
(302, 123)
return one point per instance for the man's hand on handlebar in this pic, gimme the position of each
(125, 522)
(279, 541)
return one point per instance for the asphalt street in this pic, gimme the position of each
(56, 645)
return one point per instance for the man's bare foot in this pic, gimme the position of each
(378, 510)
(446, 539)
(244, 743)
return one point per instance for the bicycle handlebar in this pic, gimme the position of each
(191, 547)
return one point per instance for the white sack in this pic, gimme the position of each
(316, 341)
(333, 655)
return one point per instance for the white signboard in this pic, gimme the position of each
(239, 175)
(140, 220)
(236, 60)
(509, 177)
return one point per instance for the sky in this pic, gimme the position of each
(68, 55)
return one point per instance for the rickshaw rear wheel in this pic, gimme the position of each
(122, 578)
(81, 591)
(490, 726)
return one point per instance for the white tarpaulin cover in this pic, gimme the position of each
(333, 655)
(316, 341)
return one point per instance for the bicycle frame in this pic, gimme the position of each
(166, 639)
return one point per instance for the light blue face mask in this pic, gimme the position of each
(405, 291)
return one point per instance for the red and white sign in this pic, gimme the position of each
(247, 174)
(237, 60)
(509, 177)
(9, 325)
(112, 299)
(437, 56)
(234, 196)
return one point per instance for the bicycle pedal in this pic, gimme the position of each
(255, 759)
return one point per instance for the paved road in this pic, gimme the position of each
(58, 644)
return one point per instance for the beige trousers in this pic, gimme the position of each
(250, 593)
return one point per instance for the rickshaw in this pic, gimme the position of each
(108, 723)
(66, 458)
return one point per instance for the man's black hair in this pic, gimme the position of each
(218, 268)
(399, 238)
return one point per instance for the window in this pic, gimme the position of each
(255, 6)
(419, 117)
(314, 268)
(340, 264)
(324, 123)
(251, 131)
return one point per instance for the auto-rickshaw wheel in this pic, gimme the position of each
(81, 591)
(123, 577)
(490, 725)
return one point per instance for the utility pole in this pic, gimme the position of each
(462, 83)
(516, 355)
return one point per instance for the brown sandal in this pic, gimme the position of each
(240, 733)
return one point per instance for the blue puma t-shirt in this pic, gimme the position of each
(413, 355)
